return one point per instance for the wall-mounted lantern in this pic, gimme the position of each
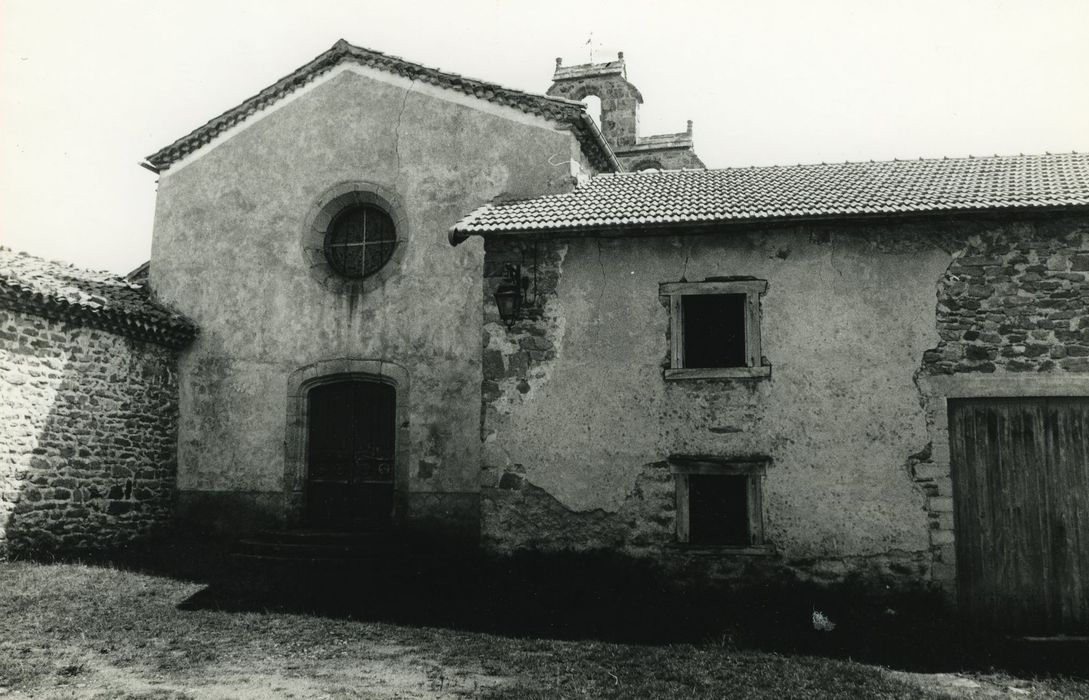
(510, 296)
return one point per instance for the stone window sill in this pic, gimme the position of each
(761, 372)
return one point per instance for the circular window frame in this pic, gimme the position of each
(331, 203)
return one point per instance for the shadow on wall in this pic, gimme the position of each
(88, 439)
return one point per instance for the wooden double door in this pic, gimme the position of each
(1020, 472)
(351, 450)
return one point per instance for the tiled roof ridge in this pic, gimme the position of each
(557, 109)
(796, 192)
(828, 164)
(63, 292)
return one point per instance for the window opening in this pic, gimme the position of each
(714, 330)
(360, 240)
(593, 108)
(719, 499)
(718, 510)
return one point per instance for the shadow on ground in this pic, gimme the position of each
(606, 597)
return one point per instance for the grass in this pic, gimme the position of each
(176, 628)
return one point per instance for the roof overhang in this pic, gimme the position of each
(693, 228)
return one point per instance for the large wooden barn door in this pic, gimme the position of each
(1020, 472)
(350, 455)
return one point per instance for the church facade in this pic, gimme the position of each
(250, 205)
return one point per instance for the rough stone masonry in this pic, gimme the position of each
(89, 423)
(88, 412)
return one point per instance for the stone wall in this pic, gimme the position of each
(1016, 299)
(668, 158)
(1013, 318)
(619, 100)
(88, 424)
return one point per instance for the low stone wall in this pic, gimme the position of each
(88, 429)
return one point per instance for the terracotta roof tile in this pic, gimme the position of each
(98, 299)
(833, 190)
(571, 114)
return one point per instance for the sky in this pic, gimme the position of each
(88, 89)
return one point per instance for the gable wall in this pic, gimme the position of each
(229, 253)
(579, 420)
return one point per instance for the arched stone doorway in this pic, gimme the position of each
(347, 438)
(350, 455)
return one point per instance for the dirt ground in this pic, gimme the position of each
(110, 632)
(387, 672)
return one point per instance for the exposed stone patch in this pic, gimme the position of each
(517, 362)
(520, 515)
(88, 424)
(1016, 299)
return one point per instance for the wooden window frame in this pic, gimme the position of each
(752, 289)
(754, 468)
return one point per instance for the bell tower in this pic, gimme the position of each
(620, 102)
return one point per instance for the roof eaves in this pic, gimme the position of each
(175, 332)
(166, 156)
(139, 275)
(94, 299)
(607, 160)
(462, 229)
(665, 224)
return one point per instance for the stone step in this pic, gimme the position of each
(283, 549)
(298, 559)
(326, 536)
(320, 545)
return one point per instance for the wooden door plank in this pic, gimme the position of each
(1020, 471)
(1078, 514)
(1067, 525)
(968, 520)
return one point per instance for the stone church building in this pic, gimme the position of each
(385, 298)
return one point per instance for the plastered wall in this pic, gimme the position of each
(229, 253)
(861, 323)
(579, 419)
